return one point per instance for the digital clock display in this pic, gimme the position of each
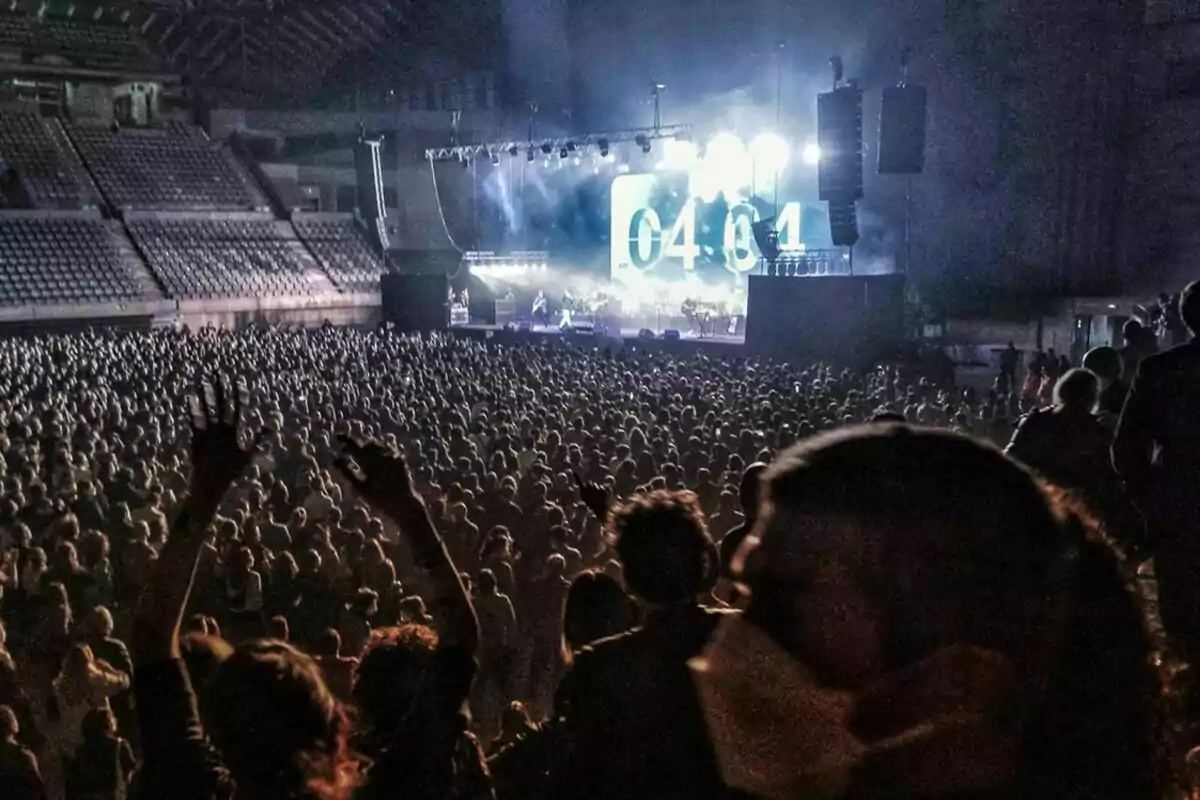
(659, 227)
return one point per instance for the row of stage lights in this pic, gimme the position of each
(769, 150)
(507, 269)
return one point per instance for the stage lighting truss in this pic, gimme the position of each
(597, 143)
(486, 263)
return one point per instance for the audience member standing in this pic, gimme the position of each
(1157, 452)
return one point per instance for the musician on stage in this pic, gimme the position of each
(540, 308)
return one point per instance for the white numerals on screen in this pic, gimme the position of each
(682, 242)
(645, 238)
(788, 225)
(740, 253)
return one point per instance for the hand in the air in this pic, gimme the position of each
(378, 473)
(217, 456)
(594, 496)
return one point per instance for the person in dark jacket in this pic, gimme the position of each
(1156, 451)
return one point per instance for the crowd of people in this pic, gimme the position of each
(340, 563)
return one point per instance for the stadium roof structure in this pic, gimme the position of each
(298, 47)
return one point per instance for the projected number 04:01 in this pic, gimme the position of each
(652, 239)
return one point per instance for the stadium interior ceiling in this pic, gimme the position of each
(271, 52)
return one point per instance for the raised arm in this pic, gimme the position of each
(217, 460)
(381, 477)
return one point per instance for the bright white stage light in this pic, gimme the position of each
(678, 155)
(623, 168)
(812, 154)
(725, 147)
(769, 152)
(726, 168)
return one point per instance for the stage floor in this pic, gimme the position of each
(628, 334)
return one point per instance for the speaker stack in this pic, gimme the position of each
(840, 170)
(902, 130)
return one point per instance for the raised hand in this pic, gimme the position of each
(217, 456)
(379, 474)
(594, 496)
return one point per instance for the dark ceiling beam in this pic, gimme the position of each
(207, 47)
(168, 32)
(388, 10)
(349, 39)
(317, 28)
(378, 20)
(292, 25)
(216, 63)
(374, 35)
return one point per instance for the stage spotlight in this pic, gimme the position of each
(623, 168)
(642, 142)
(603, 144)
(562, 153)
(678, 154)
(812, 154)
(726, 169)
(547, 148)
(769, 151)
(576, 161)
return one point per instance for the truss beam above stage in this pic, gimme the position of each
(584, 143)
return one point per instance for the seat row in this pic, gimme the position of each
(172, 168)
(211, 259)
(61, 262)
(343, 253)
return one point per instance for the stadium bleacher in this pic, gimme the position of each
(343, 253)
(99, 45)
(16, 30)
(60, 261)
(170, 168)
(47, 168)
(202, 259)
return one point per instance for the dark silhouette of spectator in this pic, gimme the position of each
(1067, 443)
(279, 729)
(617, 749)
(1156, 451)
(20, 777)
(906, 640)
(1106, 363)
(103, 765)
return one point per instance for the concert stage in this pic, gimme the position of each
(629, 337)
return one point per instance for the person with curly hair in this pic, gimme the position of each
(615, 748)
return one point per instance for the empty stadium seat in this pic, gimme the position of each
(16, 31)
(55, 261)
(48, 170)
(103, 45)
(175, 168)
(343, 253)
(210, 259)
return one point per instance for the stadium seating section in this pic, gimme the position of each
(49, 171)
(47, 261)
(172, 168)
(99, 45)
(343, 253)
(78, 40)
(209, 259)
(16, 31)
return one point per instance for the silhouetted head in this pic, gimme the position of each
(277, 724)
(664, 547)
